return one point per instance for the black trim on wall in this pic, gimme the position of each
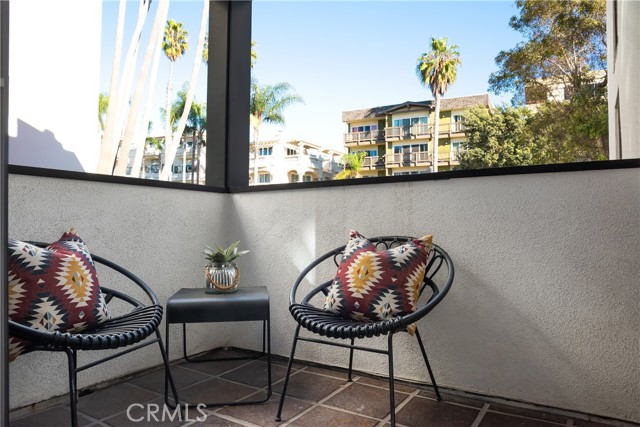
(468, 173)
(217, 93)
(4, 212)
(96, 177)
(239, 94)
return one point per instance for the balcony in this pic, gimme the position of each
(419, 158)
(373, 162)
(527, 336)
(353, 139)
(395, 133)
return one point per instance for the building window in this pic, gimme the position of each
(293, 178)
(410, 148)
(456, 146)
(307, 178)
(366, 128)
(265, 151)
(265, 178)
(408, 173)
(292, 152)
(422, 120)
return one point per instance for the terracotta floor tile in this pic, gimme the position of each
(492, 419)
(450, 398)
(112, 400)
(365, 400)
(182, 378)
(213, 391)
(56, 416)
(420, 412)
(385, 384)
(264, 415)
(320, 416)
(255, 374)
(311, 387)
(530, 413)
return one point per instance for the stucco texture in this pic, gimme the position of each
(544, 307)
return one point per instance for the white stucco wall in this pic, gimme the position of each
(544, 308)
(158, 234)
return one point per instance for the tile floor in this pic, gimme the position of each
(317, 396)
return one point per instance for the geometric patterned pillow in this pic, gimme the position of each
(372, 285)
(53, 289)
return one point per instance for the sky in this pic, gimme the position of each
(343, 55)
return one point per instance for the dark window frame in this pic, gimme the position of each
(229, 76)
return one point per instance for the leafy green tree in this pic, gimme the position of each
(267, 104)
(437, 69)
(564, 43)
(498, 139)
(352, 165)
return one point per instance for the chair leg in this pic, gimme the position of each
(286, 379)
(351, 360)
(426, 361)
(392, 397)
(72, 387)
(75, 374)
(167, 376)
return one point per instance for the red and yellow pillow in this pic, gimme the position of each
(53, 288)
(372, 285)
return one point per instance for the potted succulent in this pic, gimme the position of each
(223, 275)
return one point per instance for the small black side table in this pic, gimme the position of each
(193, 305)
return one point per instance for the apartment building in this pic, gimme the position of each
(293, 161)
(397, 139)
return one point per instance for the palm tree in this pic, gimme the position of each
(103, 106)
(133, 136)
(266, 106)
(437, 69)
(254, 55)
(173, 140)
(175, 44)
(352, 165)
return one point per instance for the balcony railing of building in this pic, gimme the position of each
(418, 158)
(421, 131)
(363, 138)
(373, 162)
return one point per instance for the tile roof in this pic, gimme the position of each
(458, 103)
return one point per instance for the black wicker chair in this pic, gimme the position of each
(129, 331)
(336, 327)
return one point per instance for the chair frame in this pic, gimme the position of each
(336, 327)
(133, 330)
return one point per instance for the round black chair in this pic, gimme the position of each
(129, 331)
(438, 279)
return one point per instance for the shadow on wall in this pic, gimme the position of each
(31, 147)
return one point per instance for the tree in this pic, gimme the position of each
(499, 139)
(267, 105)
(173, 140)
(254, 55)
(437, 69)
(174, 45)
(565, 41)
(564, 47)
(120, 86)
(103, 106)
(352, 165)
(132, 136)
(196, 123)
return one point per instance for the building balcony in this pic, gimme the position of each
(395, 133)
(527, 336)
(352, 139)
(373, 162)
(419, 158)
